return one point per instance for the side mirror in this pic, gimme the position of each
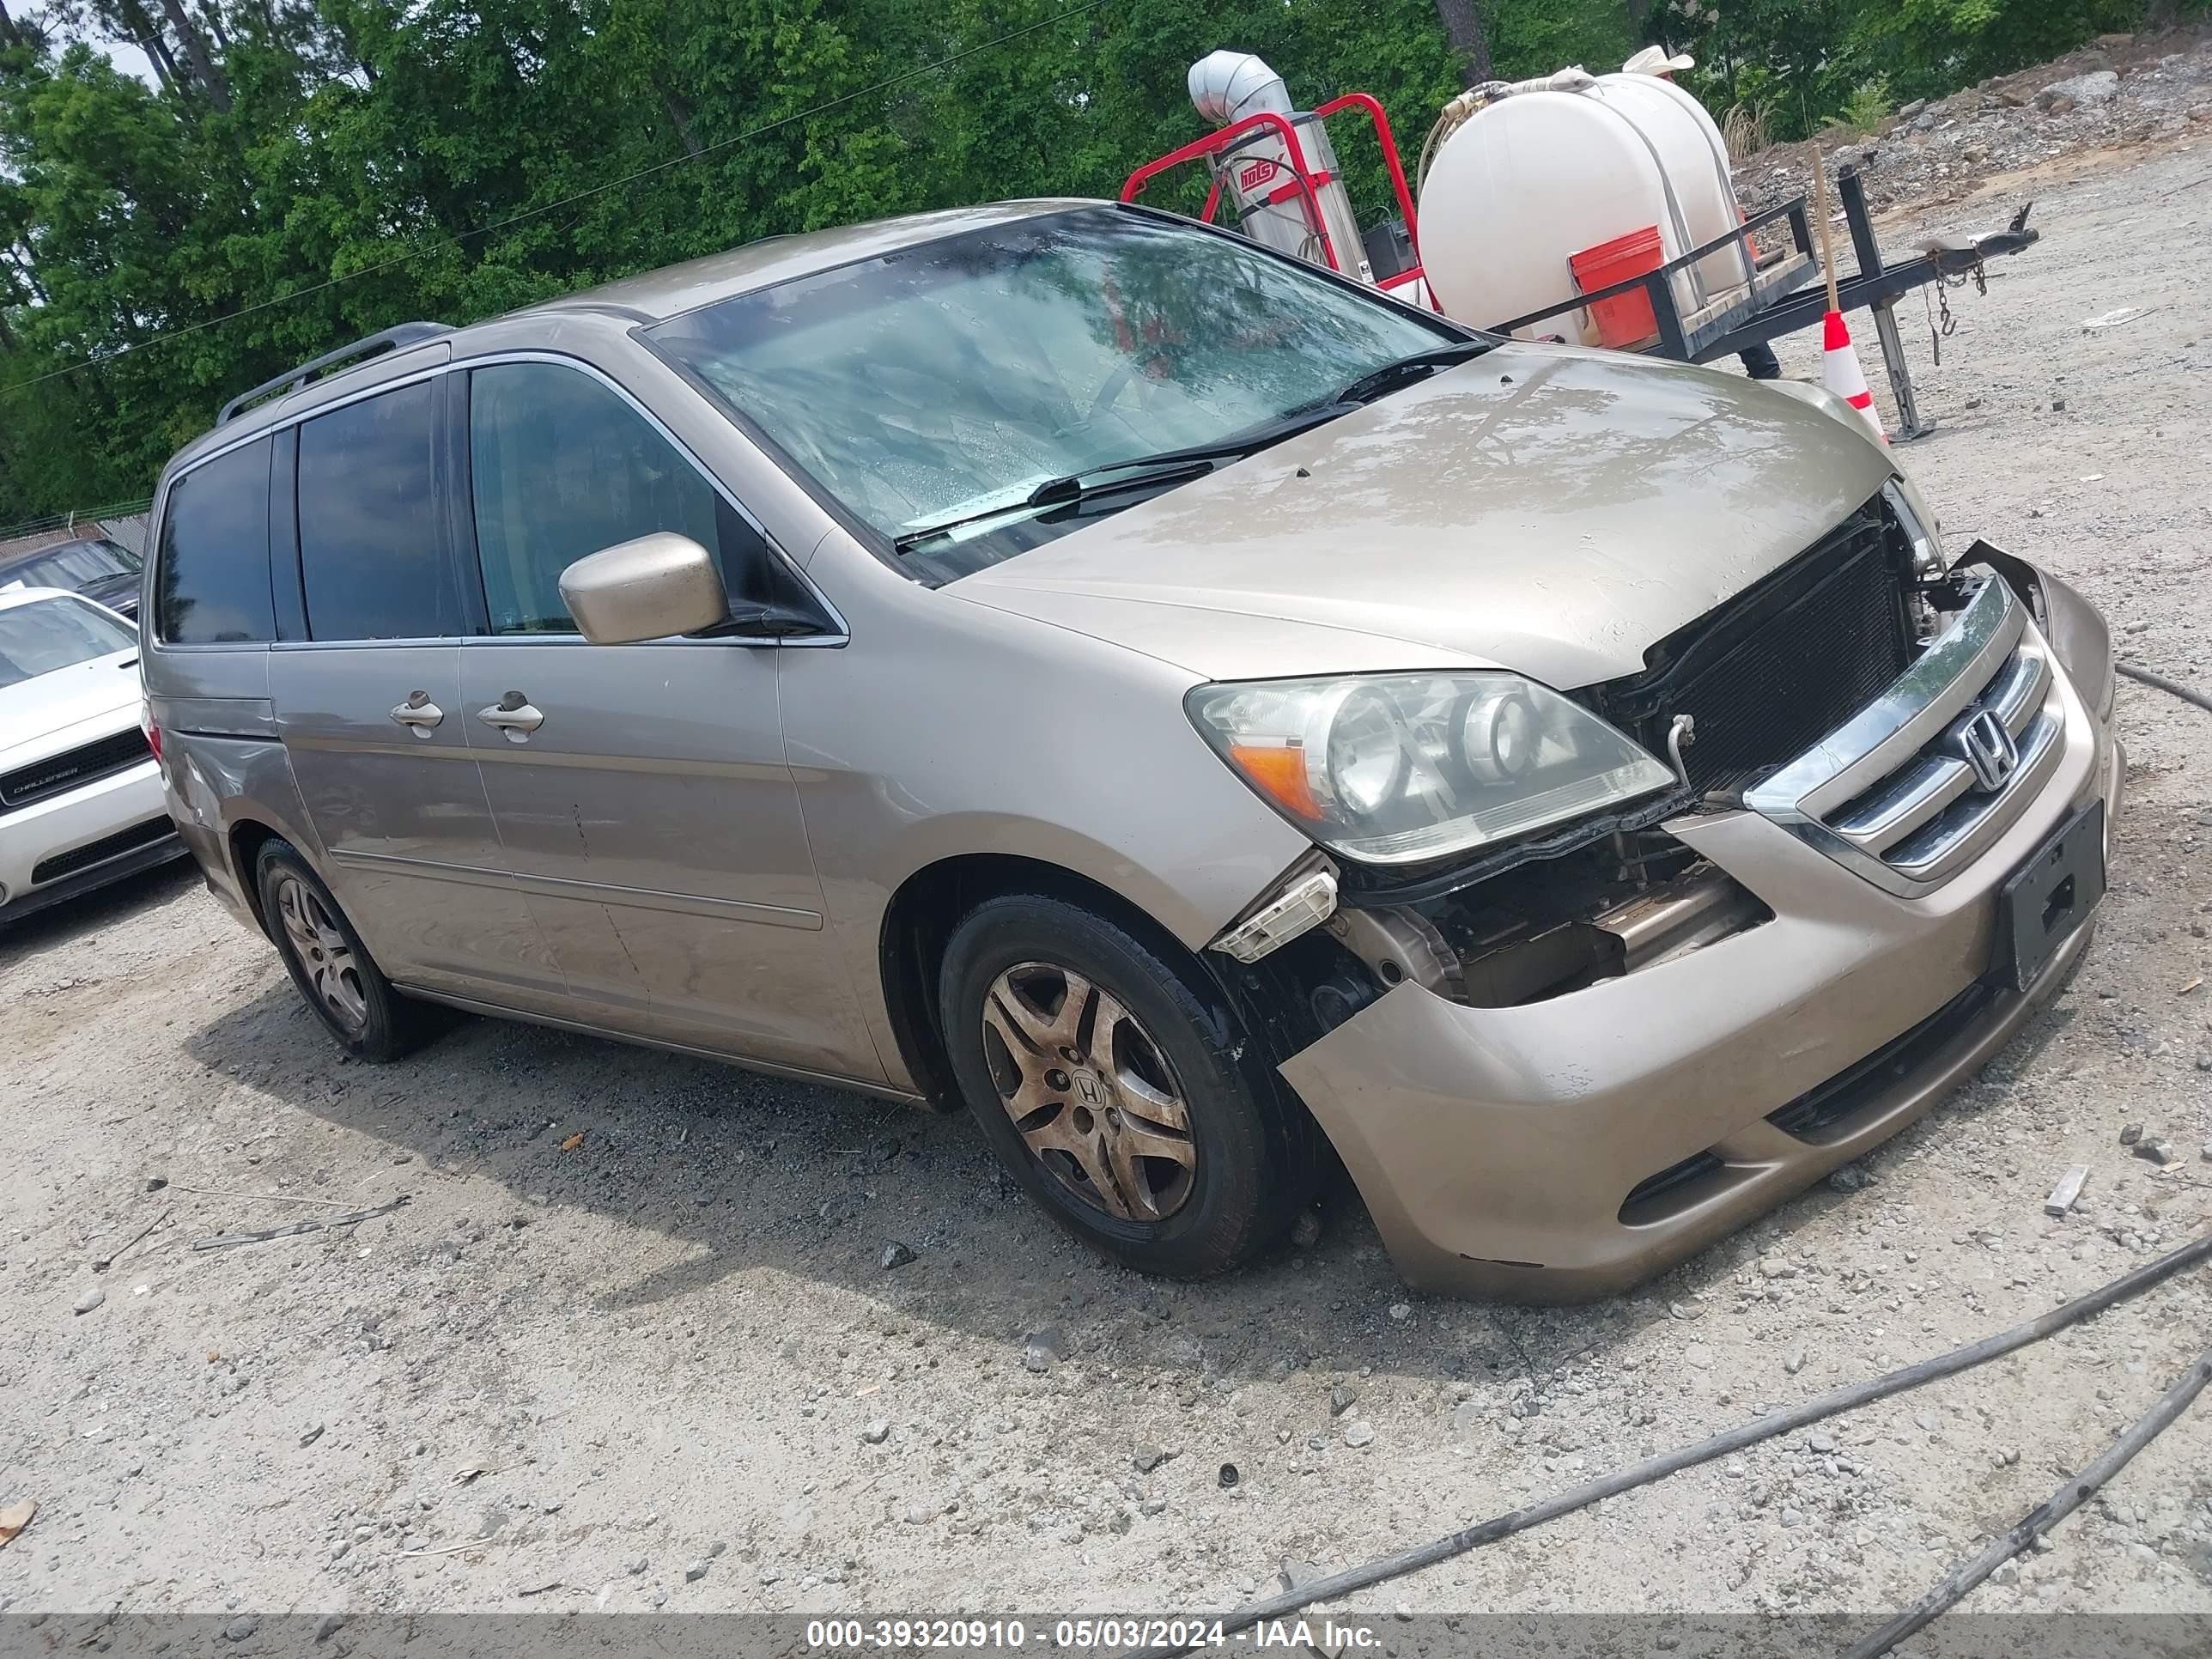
(652, 588)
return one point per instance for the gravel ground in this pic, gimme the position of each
(632, 1343)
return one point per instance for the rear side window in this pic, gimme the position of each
(372, 562)
(560, 467)
(211, 586)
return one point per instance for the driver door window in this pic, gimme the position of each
(560, 467)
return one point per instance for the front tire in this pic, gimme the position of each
(332, 968)
(1118, 1087)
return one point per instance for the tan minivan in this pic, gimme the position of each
(1198, 712)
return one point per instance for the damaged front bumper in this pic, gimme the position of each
(1571, 1146)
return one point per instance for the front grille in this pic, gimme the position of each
(1931, 815)
(98, 851)
(1777, 669)
(1923, 780)
(73, 768)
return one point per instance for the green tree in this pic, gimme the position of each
(306, 171)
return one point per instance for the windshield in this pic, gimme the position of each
(44, 635)
(956, 376)
(73, 564)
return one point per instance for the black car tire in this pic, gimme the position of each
(1257, 1154)
(331, 968)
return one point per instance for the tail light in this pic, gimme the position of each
(146, 725)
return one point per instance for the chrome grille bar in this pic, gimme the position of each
(1894, 792)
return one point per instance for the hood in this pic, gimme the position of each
(1553, 511)
(50, 713)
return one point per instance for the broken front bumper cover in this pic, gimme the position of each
(1568, 1148)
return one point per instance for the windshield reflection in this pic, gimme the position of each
(954, 377)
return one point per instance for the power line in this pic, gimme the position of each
(565, 201)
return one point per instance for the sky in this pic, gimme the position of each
(128, 58)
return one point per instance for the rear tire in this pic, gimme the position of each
(1119, 1088)
(339, 981)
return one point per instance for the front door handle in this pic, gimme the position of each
(418, 713)
(514, 716)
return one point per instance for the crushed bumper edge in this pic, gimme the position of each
(1332, 1082)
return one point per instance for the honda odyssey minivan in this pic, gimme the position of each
(1201, 715)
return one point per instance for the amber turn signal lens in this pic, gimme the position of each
(1280, 771)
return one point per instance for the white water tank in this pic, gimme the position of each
(1534, 177)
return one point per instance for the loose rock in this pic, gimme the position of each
(695, 1572)
(311, 1434)
(1360, 1434)
(90, 1300)
(1305, 1231)
(1042, 1349)
(1340, 1398)
(2098, 87)
(895, 1255)
(877, 1433)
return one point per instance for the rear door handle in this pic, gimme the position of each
(418, 713)
(513, 715)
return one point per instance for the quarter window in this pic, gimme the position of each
(372, 562)
(212, 584)
(561, 467)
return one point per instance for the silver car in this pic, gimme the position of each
(1203, 716)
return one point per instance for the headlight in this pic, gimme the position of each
(1406, 767)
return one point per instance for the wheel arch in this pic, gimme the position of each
(929, 904)
(245, 837)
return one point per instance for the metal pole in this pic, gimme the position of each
(1853, 188)
(1909, 423)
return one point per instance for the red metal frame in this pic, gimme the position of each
(1303, 180)
(1391, 164)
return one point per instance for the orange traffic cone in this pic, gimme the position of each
(1841, 373)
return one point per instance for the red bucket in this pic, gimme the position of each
(1626, 319)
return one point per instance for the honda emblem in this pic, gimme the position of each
(1986, 745)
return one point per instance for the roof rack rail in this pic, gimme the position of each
(392, 339)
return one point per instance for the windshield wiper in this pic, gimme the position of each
(1138, 471)
(1197, 457)
(1418, 366)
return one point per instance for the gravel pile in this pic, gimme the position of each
(2128, 90)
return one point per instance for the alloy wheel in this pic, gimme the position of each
(324, 954)
(1090, 1091)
